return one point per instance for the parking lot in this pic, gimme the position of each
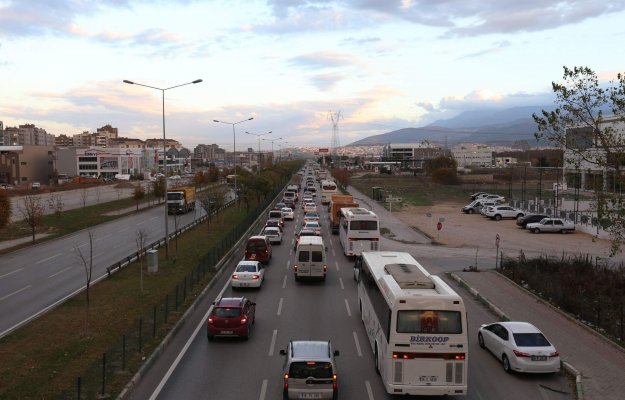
(476, 231)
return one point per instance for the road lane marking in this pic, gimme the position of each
(333, 253)
(123, 230)
(14, 293)
(273, 342)
(280, 306)
(48, 259)
(336, 264)
(153, 218)
(357, 344)
(341, 282)
(98, 255)
(369, 391)
(288, 264)
(103, 237)
(12, 272)
(263, 390)
(284, 282)
(349, 313)
(60, 272)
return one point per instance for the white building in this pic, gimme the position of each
(473, 156)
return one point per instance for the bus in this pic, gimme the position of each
(416, 325)
(359, 231)
(328, 188)
(231, 180)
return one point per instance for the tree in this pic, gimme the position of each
(138, 194)
(87, 262)
(212, 198)
(32, 210)
(5, 209)
(55, 203)
(84, 195)
(158, 187)
(591, 139)
(140, 239)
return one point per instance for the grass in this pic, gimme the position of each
(44, 358)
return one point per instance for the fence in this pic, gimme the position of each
(125, 356)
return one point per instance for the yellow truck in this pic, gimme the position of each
(180, 199)
(338, 201)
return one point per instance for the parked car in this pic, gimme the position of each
(486, 205)
(530, 218)
(473, 207)
(273, 233)
(248, 274)
(258, 248)
(288, 214)
(35, 185)
(497, 199)
(520, 346)
(551, 225)
(231, 316)
(475, 195)
(499, 212)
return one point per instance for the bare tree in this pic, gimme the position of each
(98, 193)
(87, 262)
(140, 239)
(55, 203)
(212, 198)
(32, 210)
(5, 209)
(138, 194)
(84, 194)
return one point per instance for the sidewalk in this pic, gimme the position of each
(601, 363)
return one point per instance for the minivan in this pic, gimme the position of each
(258, 248)
(310, 258)
(309, 370)
(277, 214)
(289, 196)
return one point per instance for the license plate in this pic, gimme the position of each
(427, 379)
(244, 284)
(253, 255)
(226, 332)
(538, 358)
(309, 396)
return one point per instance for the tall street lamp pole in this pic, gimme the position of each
(164, 151)
(272, 140)
(258, 135)
(234, 149)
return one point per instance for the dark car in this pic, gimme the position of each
(529, 219)
(231, 316)
(258, 248)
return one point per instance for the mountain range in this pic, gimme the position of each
(502, 127)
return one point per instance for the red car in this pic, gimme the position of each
(231, 316)
(258, 248)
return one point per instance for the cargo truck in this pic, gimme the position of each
(181, 199)
(338, 201)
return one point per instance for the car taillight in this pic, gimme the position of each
(243, 320)
(520, 353)
(554, 354)
(235, 276)
(334, 383)
(286, 381)
(295, 268)
(210, 320)
(255, 276)
(325, 268)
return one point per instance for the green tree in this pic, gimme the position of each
(158, 187)
(138, 194)
(589, 137)
(5, 209)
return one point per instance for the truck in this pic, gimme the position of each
(180, 199)
(551, 225)
(338, 201)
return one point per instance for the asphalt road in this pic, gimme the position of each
(193, 368)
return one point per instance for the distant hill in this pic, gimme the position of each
(496, 127)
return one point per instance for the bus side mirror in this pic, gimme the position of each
(283, 352)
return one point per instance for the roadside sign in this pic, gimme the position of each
(439, 226)
(323, 150)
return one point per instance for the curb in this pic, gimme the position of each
(566, 366)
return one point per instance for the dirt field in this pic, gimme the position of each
(477, 231)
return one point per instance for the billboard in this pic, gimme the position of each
(323, 150)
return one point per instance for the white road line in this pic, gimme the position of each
(333, 253)
(284, 282)
(60, 272)
(123, 230)
(98, 255)
(369, 391)
(349, 313)
(288, 264)
(357, 344)
(103, 237)
(341, 282)
(263, 390)
(16, 292)
(174, 365)
(336, 264)
(140, 223)
(273, 342)
(11, 273)
(48, 259)
(153, 218)
(280, 306)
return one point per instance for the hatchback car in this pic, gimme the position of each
(231, 316)
(248, 274)
(314, 226)
(310, 370)
(520, 346)
(288, 214)
(258, 248)
(273, 233)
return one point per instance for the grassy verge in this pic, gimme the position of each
(44, 358)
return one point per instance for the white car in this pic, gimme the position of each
(248, 274)
(287, 213)
(313, 226)
(274, 234)
(520, 347)
(311, 216)
(310, 207)
(499, 212)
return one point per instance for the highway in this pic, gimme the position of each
(193, 368)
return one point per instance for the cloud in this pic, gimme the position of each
(324, 59)
(328, 81)
(495, 48)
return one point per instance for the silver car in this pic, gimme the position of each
(309, 370)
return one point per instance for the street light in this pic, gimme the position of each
(164, 151)
(258, 135)
(272, 140)
(234, 149)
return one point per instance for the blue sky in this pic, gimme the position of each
(385, 64)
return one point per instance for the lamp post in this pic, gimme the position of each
(272, 140)
(234, 149)
(258, 135)
(164, 151)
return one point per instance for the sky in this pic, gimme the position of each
(294, 66)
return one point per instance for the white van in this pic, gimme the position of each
(310, 258)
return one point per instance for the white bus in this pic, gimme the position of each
(328, 188)
(359, 230)
(416, 325)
